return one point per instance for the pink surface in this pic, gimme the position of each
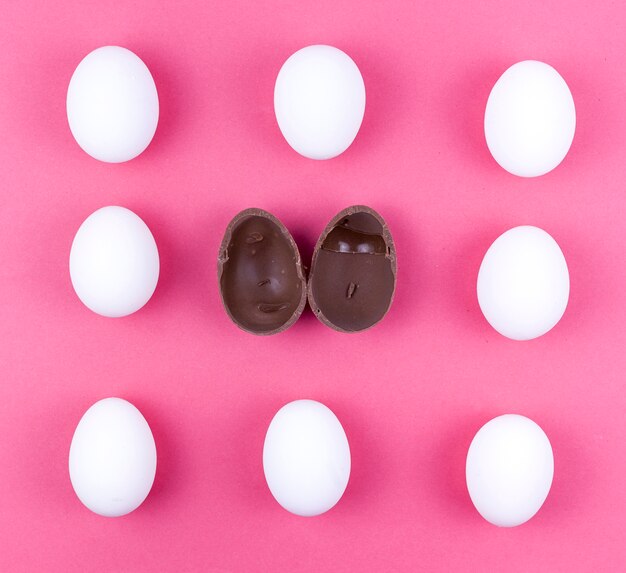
(412, 391)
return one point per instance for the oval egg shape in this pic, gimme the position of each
(260, 275)
(112, 104)
(530, 119)
(353, 271)
(306, 458)
(523, 283)
(509, 470)
(112, 459)
(114, 262)
(319, 101)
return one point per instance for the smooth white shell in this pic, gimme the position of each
(319, 101)
(112, 459)
(523, 283)
(112, 104)
(530, 119)
(509, 470)
(114, 262)
(306, 458)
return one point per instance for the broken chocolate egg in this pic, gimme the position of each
(260, 273)
(353, 272)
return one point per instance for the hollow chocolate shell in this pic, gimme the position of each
(260, 273)
(353, 272)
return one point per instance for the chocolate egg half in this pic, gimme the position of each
(353, 272)
(260, 273)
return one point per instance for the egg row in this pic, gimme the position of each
(306, 462)
(319, 102)
(522, 286)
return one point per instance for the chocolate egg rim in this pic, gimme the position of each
(223, 258)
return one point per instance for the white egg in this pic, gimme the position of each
(112, 104)
(306, 458)
(530, 119)
(112, 458)
(523, 283)
(319, 100)
(509, 470)
(114, 262)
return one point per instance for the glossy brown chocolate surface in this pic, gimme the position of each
(260, 273)
(353, 273)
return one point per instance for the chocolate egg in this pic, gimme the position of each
(260, 273)
(353, 272)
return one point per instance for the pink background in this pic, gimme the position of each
(411, 392)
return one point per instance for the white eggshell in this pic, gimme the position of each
(306, 458)
(114, 262)
(112, 458)
(319, 100)
(530, 119)
(509, 470)
(523, 283)
(112, 104)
